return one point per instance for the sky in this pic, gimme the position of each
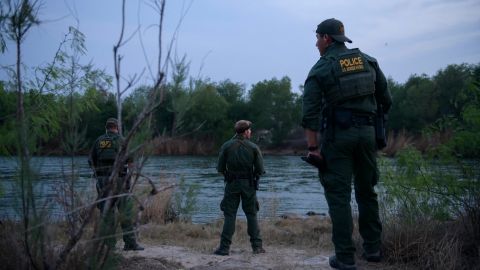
(250, 41)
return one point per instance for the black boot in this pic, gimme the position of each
(222, 251)
(135, 247)
(372, 257)
(335, 263)
(258, 250)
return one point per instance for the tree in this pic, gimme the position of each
(16, 19)
(415, 104)
(449, 85)
(179, 99)
(207, 114)
(234, 95)
(272, 103)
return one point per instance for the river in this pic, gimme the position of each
(290, 185)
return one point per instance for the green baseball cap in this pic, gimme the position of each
(112, 121)
(333, 28)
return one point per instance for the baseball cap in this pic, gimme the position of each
(112, 121)
(333, 28)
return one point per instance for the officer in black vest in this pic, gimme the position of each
(102, 158)
(344, 89)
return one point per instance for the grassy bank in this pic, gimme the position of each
(430, 213)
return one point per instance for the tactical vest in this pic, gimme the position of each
(353, 77)
(107, 148)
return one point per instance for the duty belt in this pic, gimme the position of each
(239, 175)
(362, 120)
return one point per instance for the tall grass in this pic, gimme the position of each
(158, 209)
(431, 212)
(312, 233)
(398, 141)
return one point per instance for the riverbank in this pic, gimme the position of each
(291, 242)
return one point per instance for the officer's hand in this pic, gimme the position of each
(315, 159)
(315, 153)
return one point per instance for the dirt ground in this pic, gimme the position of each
(291, 243)
(277, 258)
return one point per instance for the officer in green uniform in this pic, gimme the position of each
(342, 93)
(102, 158)
(241, 163)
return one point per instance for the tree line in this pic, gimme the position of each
(447, 103)
(199, 109)
(203, 110)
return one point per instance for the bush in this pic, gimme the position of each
(431, 211)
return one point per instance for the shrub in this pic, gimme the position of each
(431, 211)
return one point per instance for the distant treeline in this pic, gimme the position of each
(200, 111)
(446, 105)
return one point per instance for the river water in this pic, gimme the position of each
(290, 185)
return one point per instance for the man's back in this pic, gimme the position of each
(240, 155)
(347, 82)
(104, 151)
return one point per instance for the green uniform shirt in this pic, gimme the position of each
(240, 155)
(320, 78)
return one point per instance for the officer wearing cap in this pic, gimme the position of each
(102, 157)
(341, 95)
(241, 163)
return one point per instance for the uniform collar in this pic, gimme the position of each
(239, 137)
(109, 133)
(334, 48)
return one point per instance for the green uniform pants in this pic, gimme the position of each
(236, 191)
(125, 217)
(352, 153)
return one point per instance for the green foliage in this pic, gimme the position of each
(16, 18)
(419, 187)
(8, 101)
(234, 95)
(134, 103)
(186, 199)
(423, 100)
(207, 113)
(414, 104)
(273, 107)
(446, 103)
(95, 120)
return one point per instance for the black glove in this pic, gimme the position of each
(316, 161)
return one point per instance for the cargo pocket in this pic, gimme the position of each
(257, 205)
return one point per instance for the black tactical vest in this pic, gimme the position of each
(353, 77)
(107, 148)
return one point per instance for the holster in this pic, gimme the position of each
(380, 131)
(328, 124)
(256, 181)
